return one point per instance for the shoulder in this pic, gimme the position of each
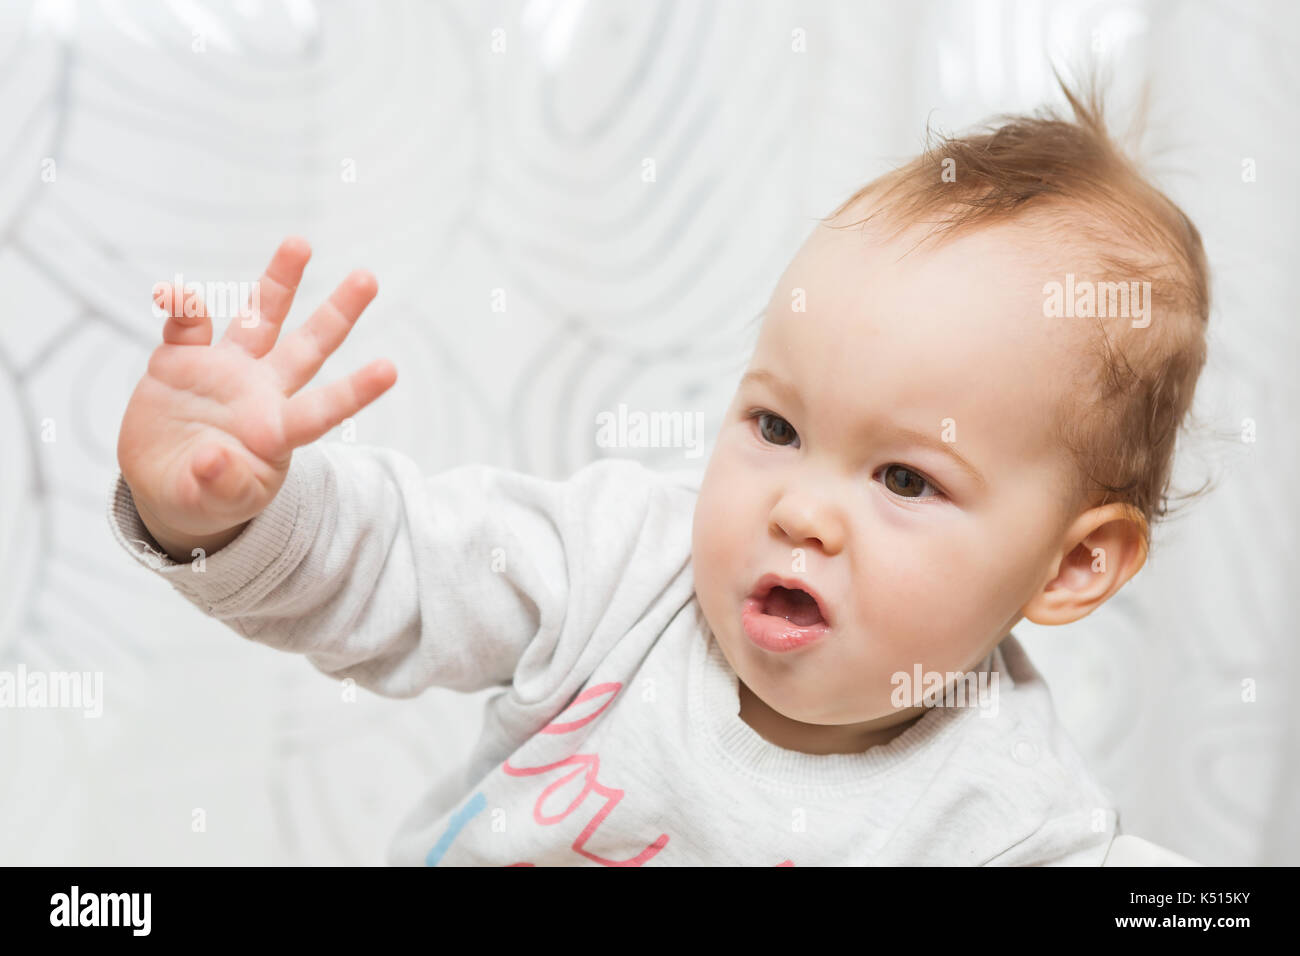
(623, 489)
(1066, 813)
(635, 473)
(1026, 731)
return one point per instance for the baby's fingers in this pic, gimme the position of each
(301, 353)
(274, 294)
(309, 415)
(188, 322)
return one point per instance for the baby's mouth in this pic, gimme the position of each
(795, 605)
(786, 599)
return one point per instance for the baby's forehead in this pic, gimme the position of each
(981, 293)
(1004, 258)
(954, 330)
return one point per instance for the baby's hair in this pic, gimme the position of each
(1069, 181)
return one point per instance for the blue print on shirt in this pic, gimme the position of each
(466, 813)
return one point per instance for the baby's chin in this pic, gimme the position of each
(799, 693)
(808, 726)
(816, 712)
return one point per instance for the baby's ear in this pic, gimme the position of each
(1102, 549)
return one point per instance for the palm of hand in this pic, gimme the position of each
(208, 435)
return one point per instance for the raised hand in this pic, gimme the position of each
(209, 432)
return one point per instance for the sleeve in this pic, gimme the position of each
(403, 581)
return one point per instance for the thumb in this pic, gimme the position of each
(219, 473)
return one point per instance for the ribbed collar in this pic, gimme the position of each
(715, 709)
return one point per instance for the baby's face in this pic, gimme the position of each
(832, 467)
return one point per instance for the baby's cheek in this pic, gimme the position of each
(919, 598)
(714, 544)
(724, 497)
(907, 575)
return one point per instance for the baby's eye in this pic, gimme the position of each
(776, 429)
(906, 483)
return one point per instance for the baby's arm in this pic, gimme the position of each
(401, 580)
(469, 578)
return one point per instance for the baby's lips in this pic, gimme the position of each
(769, 581)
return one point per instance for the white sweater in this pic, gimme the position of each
(615, 738)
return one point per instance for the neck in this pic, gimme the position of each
(778, 729)
(795, 735)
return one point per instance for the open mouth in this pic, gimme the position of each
(787, 599)
(781, 616)
(794, 604)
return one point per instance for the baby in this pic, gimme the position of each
(961, 412)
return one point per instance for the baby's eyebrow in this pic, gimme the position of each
(896, 432)
(762, 376)
(929, 441)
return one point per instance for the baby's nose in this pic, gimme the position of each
(806, 521)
